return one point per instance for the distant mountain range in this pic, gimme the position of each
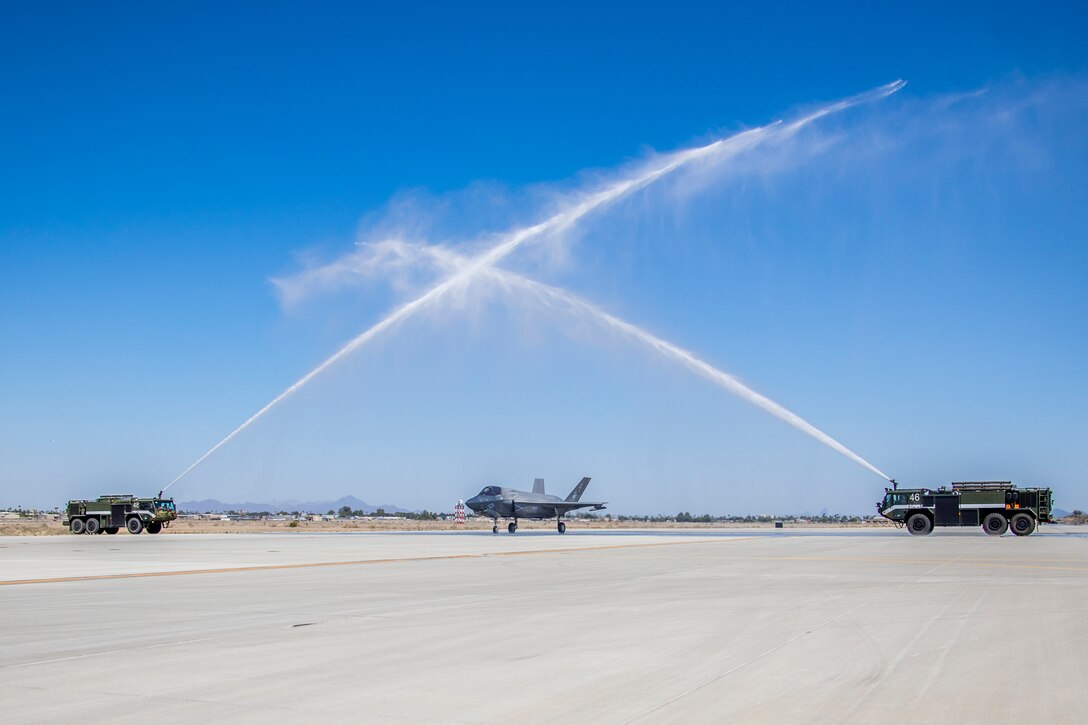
(212, 506)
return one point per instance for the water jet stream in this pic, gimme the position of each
(547, 294)
(649, 173)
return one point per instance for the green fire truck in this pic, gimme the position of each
(997, 506)
(109, 513)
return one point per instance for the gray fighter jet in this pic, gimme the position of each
(497, 502)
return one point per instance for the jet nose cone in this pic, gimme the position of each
(474, 503)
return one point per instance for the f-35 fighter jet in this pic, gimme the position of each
(497, 502)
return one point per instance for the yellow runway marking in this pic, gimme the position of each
(358, 562)
(974, 562)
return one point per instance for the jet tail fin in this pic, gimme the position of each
(538, 485)
(576, 494)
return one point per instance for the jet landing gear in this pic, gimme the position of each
(561, 527)
(512, 527)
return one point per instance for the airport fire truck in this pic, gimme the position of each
(109, 513)
(995, 505)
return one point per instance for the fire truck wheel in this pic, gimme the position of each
(919, 524)
(112, 530)
(134, 525)
(76, 526)
(154, 527)
(92, 526)
(1022, 524)
(995, 524)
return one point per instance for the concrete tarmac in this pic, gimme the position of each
(837, 626)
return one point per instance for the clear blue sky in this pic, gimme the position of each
(913, 283)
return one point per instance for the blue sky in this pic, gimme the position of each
(908, 275)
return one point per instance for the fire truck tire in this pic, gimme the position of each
(77, 526)
(134, 525)
(919, 524)
(995, 524)
(1022, 524)
(92, 526)
(154, 527)
(112, 529)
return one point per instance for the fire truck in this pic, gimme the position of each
(996, 506)
(112, 512)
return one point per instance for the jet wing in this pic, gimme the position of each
(572, 505)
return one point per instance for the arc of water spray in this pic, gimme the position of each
(677, 354)
(727, 147)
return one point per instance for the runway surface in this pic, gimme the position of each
(699, 626)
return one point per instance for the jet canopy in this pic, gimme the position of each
(490, 491)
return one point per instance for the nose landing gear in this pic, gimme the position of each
(562, 527)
